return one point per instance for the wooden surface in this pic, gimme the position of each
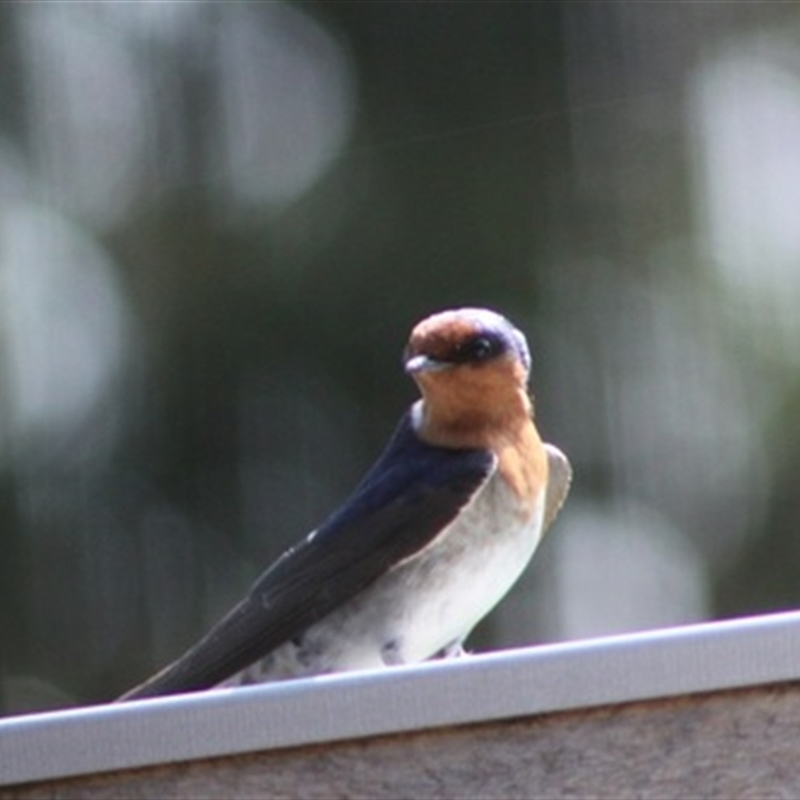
(734, 744)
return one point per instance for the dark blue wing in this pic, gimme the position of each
(403, 502)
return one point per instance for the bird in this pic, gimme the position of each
(432, 538)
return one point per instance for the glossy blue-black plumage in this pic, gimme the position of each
(409, 496)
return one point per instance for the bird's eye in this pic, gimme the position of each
(480, 348)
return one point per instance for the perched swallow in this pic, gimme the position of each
(432, 538)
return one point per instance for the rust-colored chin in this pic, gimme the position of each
(469, 406)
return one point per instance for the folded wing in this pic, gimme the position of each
(411, 493)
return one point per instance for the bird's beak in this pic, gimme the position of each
(423, 363)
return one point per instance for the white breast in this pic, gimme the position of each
(462, 576)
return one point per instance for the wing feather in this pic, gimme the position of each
(404, 501)
(558, 482)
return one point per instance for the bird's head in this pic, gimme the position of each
(472, 367)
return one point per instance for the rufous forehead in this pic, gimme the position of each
(437, 335)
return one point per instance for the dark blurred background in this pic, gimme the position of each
(218, 222)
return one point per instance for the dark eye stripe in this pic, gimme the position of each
(479, 348)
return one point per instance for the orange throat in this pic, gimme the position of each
(504, 426)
